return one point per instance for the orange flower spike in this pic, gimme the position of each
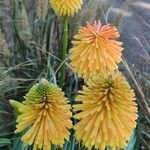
(95, 50)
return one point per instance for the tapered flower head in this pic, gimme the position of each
(106, 112)
(66, 7)
(45, 115)
(95, 49)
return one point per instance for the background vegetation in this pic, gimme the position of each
(30, 35)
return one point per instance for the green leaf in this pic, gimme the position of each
(19, 145)
(133, 144)
(4, 142)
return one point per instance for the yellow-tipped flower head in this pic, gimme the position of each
(107, 112)
(95, 49)
(45, 115)
(66, 7)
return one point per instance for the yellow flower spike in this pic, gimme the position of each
(66, 7)
(107, 112)
(95, 49)
(45, 114)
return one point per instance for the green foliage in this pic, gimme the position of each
(17, 144)
(133, 144)
(4, 142)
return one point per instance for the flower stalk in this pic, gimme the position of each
(64, 50)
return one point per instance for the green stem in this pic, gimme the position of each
(64, 50)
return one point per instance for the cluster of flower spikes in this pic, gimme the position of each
(107, 110)
(66, 7)
(44, 116)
